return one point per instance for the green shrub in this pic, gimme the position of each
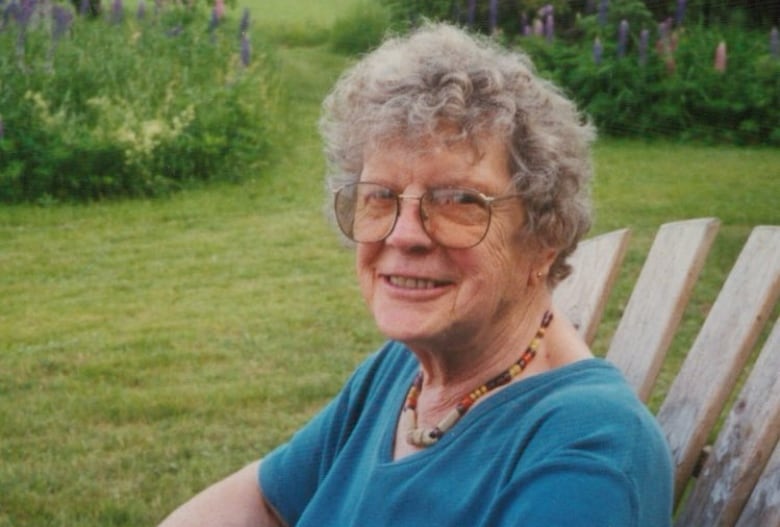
(136, 107)
(676, 95)
(361, 29)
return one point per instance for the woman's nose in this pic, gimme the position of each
(409, 230)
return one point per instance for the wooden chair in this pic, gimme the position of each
(736, 480)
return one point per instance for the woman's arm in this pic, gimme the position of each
(236, 501)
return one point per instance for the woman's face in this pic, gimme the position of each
(431, 296)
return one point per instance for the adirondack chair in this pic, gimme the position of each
(735, 481)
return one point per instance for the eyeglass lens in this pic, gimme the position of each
(455, 218)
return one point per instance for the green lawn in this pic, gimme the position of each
(150, 347)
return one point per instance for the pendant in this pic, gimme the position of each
(420, 437)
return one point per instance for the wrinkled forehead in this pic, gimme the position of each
(438, 161)
(420, 143)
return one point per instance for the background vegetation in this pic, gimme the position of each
(644, 69)
(132, 103)
(179, 94)
(150, 346)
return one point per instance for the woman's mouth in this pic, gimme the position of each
(407, 282)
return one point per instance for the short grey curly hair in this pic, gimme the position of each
(439, 74)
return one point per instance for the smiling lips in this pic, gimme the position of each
(407, 282)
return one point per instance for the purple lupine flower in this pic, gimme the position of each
(11, 11)
(679, 14)
(117, 12)
(644, 40)
(524, 27)
(140, 13)
(549, 25)
(219, 9)
(602, 12)
(493, 16)
(622, 38)
(246, 51)
(538, 27)
(84, 7)
(720, 57)
(243, 25)
(61, 19)
(23, 16)
(598, 51)
(547, 21)
(214, 20)
(774, 43)
(26, 11)
(471, 12)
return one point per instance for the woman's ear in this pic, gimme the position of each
(539, 271)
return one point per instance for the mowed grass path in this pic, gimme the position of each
(149, 347)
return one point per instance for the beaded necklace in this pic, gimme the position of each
(423, 437)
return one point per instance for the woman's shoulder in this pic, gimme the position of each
(585, 398)
(594, 379)
(585, 428)
(592, 399)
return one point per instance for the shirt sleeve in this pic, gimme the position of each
(290, 474)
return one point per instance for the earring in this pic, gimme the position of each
(539, 274)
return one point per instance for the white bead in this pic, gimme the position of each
(420, 437)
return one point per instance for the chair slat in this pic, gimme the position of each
(720, 351)
(658, 300)
(583, 295)
(743, 447)
(763, 507)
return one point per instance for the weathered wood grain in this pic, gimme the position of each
(583, 295)
(763, 507)
(658, 300)
(743, 446)
(709, 373)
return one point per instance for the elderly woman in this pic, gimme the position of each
(462, 179)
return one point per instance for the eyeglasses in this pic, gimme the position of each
(456, 218)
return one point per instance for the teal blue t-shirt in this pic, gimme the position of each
(569, 447)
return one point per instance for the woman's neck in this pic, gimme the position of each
(451, 370)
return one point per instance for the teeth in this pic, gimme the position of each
(412, 283)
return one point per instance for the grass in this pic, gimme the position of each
(150, 347)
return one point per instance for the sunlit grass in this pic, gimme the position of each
(308, 13)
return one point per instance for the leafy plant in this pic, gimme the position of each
(675, 91)
(131, 106)
(632, 75)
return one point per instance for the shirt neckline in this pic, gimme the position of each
(487, 405)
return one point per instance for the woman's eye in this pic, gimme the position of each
(456, 197)
(378, 194)
(382, 195)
